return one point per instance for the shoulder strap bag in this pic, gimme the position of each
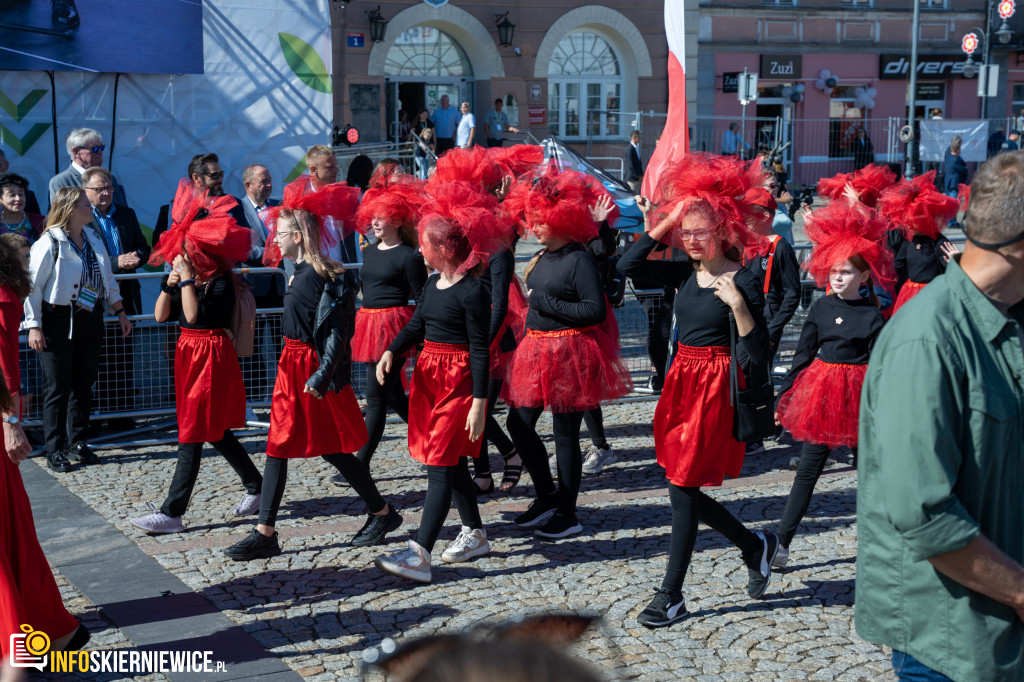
(753, 408)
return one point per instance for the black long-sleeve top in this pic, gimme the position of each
(837, 331)
(565, 291)
(919, 260)
(391, 276)
(459, 314)
(216, 303)
(496, 279)
(702, 319)
(300, 303)
(783, 297)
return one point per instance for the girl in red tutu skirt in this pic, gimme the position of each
(693, 421)
(313, 412)
(391, 275)
(819, 401)
(202, 245)
(448, 397)
(564, 362)
(918, 212)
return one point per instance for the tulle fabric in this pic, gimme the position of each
(304, 426)
(461, 227)
(568, 371)
(333, 205)
(439, 402)
(473, 165)
(208, 389)
(841, 230)
(823, 406)
(916, 207)
(397, 198)
(376, 328)
(908, 291)
(557, 202)
(869, 182)
(515, 320)
(517, 159)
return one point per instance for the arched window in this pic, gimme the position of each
(585, 88)
(425, 51)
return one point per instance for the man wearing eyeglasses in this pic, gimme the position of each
(85, 147)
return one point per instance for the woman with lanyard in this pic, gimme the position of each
(71, 279)
(693, 421)
(202, 245)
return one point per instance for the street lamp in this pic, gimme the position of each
(505, 29)
(378, 25)
(1006, 9)
(969, 44)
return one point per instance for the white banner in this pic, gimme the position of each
(937, 132)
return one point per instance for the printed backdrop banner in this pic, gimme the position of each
(936, 134)
(265, 97)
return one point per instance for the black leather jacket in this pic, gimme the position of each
(332, 335)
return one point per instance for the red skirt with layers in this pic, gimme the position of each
(823, 406)
(376, 328)
(439, 403)
(304, 426)
(693, 419)
(908, 291)
(208, 388)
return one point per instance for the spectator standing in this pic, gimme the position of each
(634, 167)
(495, 125)
(445, 120)
(31, 203)
(465, 135)
(939, 575)
(15, 217)
(733, 143)
(995, 142)
(863, 150)
(1012, 143)
(425, 144)
(85, 147)
(954, 169)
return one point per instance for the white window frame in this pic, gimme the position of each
(559, 103)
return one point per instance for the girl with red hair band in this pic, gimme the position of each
(202, 245)
(565, 362)
(819, 400)
(392, 273)
(314, 412)
(918, 212)
(448, 397)
(693, 421)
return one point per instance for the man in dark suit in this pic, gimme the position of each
(85, 147)
(863, 150)
(118, 229)
(633, 168)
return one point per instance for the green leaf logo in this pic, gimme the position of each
(299, 169)
(18, 111)
(22, 144)
(305, 62)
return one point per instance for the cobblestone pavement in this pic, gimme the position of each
(321, 603)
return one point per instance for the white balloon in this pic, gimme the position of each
(871, 93)
(859, 92)
(799, 87)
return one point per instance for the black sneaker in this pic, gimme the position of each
(376, 527)
(538, 513)
(754, 448)
(256, 546)
(58, 461)
(340, 481)
(759, 567)
(82, 453)
(560, 526)
(665, 609)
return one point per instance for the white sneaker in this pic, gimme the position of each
(249, 505)
(781, 557)
(412, 563)
(470, 543)
(553, 464)
(597, 459)
(158, 522)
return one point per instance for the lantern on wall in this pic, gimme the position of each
(378, 25)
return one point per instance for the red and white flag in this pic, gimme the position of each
(675, 139)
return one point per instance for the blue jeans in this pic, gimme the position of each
(909, 669)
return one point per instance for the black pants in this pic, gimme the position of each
(115, 390)
(444, 144)
(186, 471)
(275, 475)
(492, 142)
(378, 400)
(69, 370)
(690, 505)
(595, 427)
(522, 426)
(813, 457)
(443, 485)
(493, 433)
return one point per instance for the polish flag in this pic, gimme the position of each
(675, 139)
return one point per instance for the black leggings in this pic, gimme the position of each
(813, 457)
(595, 427)
(378, 400)
(690, 505)
(275, 474)
(493, 433)
(443, 485)
(522, 426)
(186, 471)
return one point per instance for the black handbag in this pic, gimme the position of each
(754, 408)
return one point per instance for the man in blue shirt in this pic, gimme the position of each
(732, 142)
(445, 120)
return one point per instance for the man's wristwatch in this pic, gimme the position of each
(13, 419)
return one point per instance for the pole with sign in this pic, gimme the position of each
(746, 93)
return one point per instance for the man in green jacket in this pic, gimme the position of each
(940, 501)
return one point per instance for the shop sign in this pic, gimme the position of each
(535, 91)
(538, 115)
(931, 91)
(777, 66)
(731, 81)
(932, 66)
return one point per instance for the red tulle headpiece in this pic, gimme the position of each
(964, 195)
(842, 230)
(759, 196)
(203, 228)
(868, 183)
(916, 207)
(517, 159)
(558, 202)
(459, 228)
(468, 165)
(396, 198)
(333, 205)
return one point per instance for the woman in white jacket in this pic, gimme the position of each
(71, 278)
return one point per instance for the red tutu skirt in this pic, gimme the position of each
(907, 292)
(569, 371)
(439, 403)
(376, 328)
(515, 319)
(823, 406)
(693, 419)
(304, 426)
(208, 388)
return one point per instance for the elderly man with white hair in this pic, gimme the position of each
(85, 147)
